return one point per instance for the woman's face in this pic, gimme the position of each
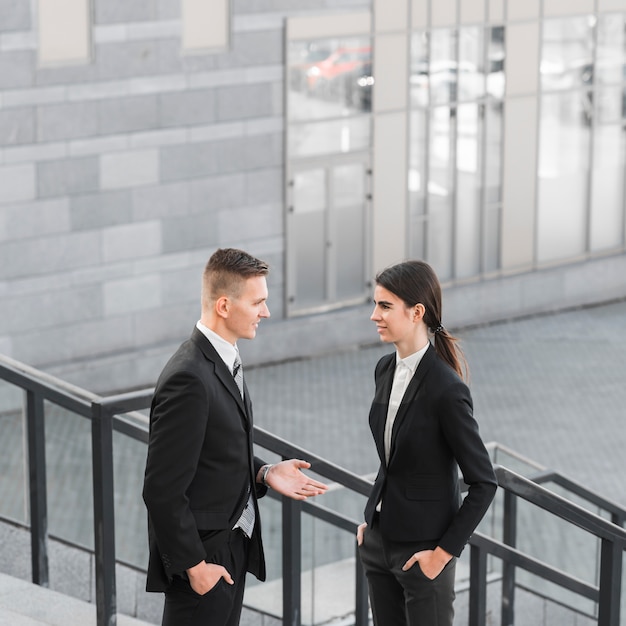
(395, 322)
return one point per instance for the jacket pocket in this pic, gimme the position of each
(425, 488)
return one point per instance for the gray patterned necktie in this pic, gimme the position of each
(238, 374)
(246, 521)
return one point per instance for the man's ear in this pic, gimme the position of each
(419, 310)
(222, 306)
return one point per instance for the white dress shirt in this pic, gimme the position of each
(227, 351)
(405, 369)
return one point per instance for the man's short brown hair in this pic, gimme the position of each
(226, 271)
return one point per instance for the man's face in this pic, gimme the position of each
(247, 309)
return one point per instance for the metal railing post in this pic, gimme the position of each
(509, 537)
(478, 587)
(292, 562)
(611, 555)
(37, 488)
(103, 514)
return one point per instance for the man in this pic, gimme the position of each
(202, 481)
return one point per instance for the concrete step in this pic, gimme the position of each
(24, 604)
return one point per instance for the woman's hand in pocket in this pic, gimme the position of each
(431, 562)
(359, 533)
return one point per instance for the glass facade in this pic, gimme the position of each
(581, 157)
(564, 172)
(454, 178)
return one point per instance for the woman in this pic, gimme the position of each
(422, 423)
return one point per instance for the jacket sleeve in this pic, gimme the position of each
(261, 490)
(178, 423)
(461, 432)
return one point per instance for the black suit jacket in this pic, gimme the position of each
(200, 463)
(434, 430)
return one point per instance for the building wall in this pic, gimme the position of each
(120, 174)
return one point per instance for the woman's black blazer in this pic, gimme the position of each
(434, 434)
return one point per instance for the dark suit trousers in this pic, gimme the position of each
(402, 598)
(222, 605)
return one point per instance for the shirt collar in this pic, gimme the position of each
(227, 351)
(413, 360)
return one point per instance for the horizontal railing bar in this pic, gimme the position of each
(318, 464)
(60, 398)
(130, 401)
(30, 374)
(496, 447)
(331, 517)
(534, 566)
(322, 513)
(559, 506)
(129, 426)
(590, 496)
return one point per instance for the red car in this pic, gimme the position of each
(324, 77)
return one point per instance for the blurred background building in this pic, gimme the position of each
(329, 137)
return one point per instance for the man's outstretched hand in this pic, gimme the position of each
(288, 479)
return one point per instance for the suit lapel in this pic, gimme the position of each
(410, 393)
(381, 401)
(222, 372)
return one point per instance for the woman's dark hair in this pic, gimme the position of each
(415, 282)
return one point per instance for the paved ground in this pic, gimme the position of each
(552, 388)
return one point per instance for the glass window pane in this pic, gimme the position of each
(308, 238)
(341, 136)
(491, 238)
(349, 237)
(611, 51)
(349, 248)
(69, 475)
(607, 198)
(495, 62)
(467, 258)
(328, 78)
(348, 185)
(493, 152)
(419, 70)
(13, 458)
(563, 177)
(417, 182)
(441, 191)
(443, 66)
(471, 65)
(567, 53)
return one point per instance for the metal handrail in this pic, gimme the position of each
(119, 413)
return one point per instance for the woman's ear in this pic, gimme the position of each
(419, 310)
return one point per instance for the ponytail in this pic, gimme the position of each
(448, 349)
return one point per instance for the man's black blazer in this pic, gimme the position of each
(200, 463)
(434, 430)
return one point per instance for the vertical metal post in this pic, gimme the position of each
(361, 617)
(509, 535)
(37, 488)
(611, 555)
(103, 514)
(292, 562)
(478, 587)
